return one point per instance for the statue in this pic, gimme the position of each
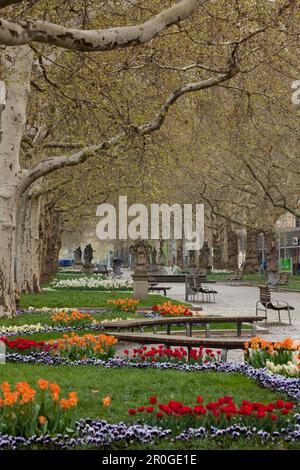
(204, 259)
(192, 258)
(117, 262)
(141, 252)
(77, 255)
(161, 256)
(88, 255)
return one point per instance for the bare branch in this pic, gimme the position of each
(14, 33)
(54, 163)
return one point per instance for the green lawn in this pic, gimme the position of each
(79, 298)
(129, 388)
(294, 281)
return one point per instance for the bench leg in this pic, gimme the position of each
(207, 330)
(279, 317)
(188, 329)
(224, 355)
(289, 314)
(168, 329)
(253, 330)
(239, 329)
(154, 329)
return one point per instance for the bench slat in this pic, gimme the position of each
(179, 321)
(186, 341)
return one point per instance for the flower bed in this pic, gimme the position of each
(48, 310)
(70, 269)
(176, 415)
(26, 346)
(74, 319)
(96, 283)
(74, 347)
(99, 433)
(27, 411)
(40, 328)
(161, 353)
(279, 357)
(170, 310)
(123, 305)
(196, 424)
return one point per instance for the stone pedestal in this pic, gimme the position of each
(87, 269)
(140, 285)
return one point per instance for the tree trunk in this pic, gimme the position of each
(15, 72)
(232, 250)
(217, 257)
(50, 231)
(179, 253)
(28, 249)
(252, 265)
(271, 251)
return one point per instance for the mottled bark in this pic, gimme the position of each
(15, 70)
(24, 32)
(28, 249)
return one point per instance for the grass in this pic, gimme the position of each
(129, 388)
(73, 298)
(294, 281)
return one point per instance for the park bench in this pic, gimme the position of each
(237, 277)
(189, 322)
(185, 341)
(154, 287)
(281, 281)
(265, 303)
(101, 270)
(159, 289)
(194, 287)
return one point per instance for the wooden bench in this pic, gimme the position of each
(237, 277)
(224, 344)
(281, 281)
(101, 270)
(187, 321)
(194, 287)
(159, 289)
